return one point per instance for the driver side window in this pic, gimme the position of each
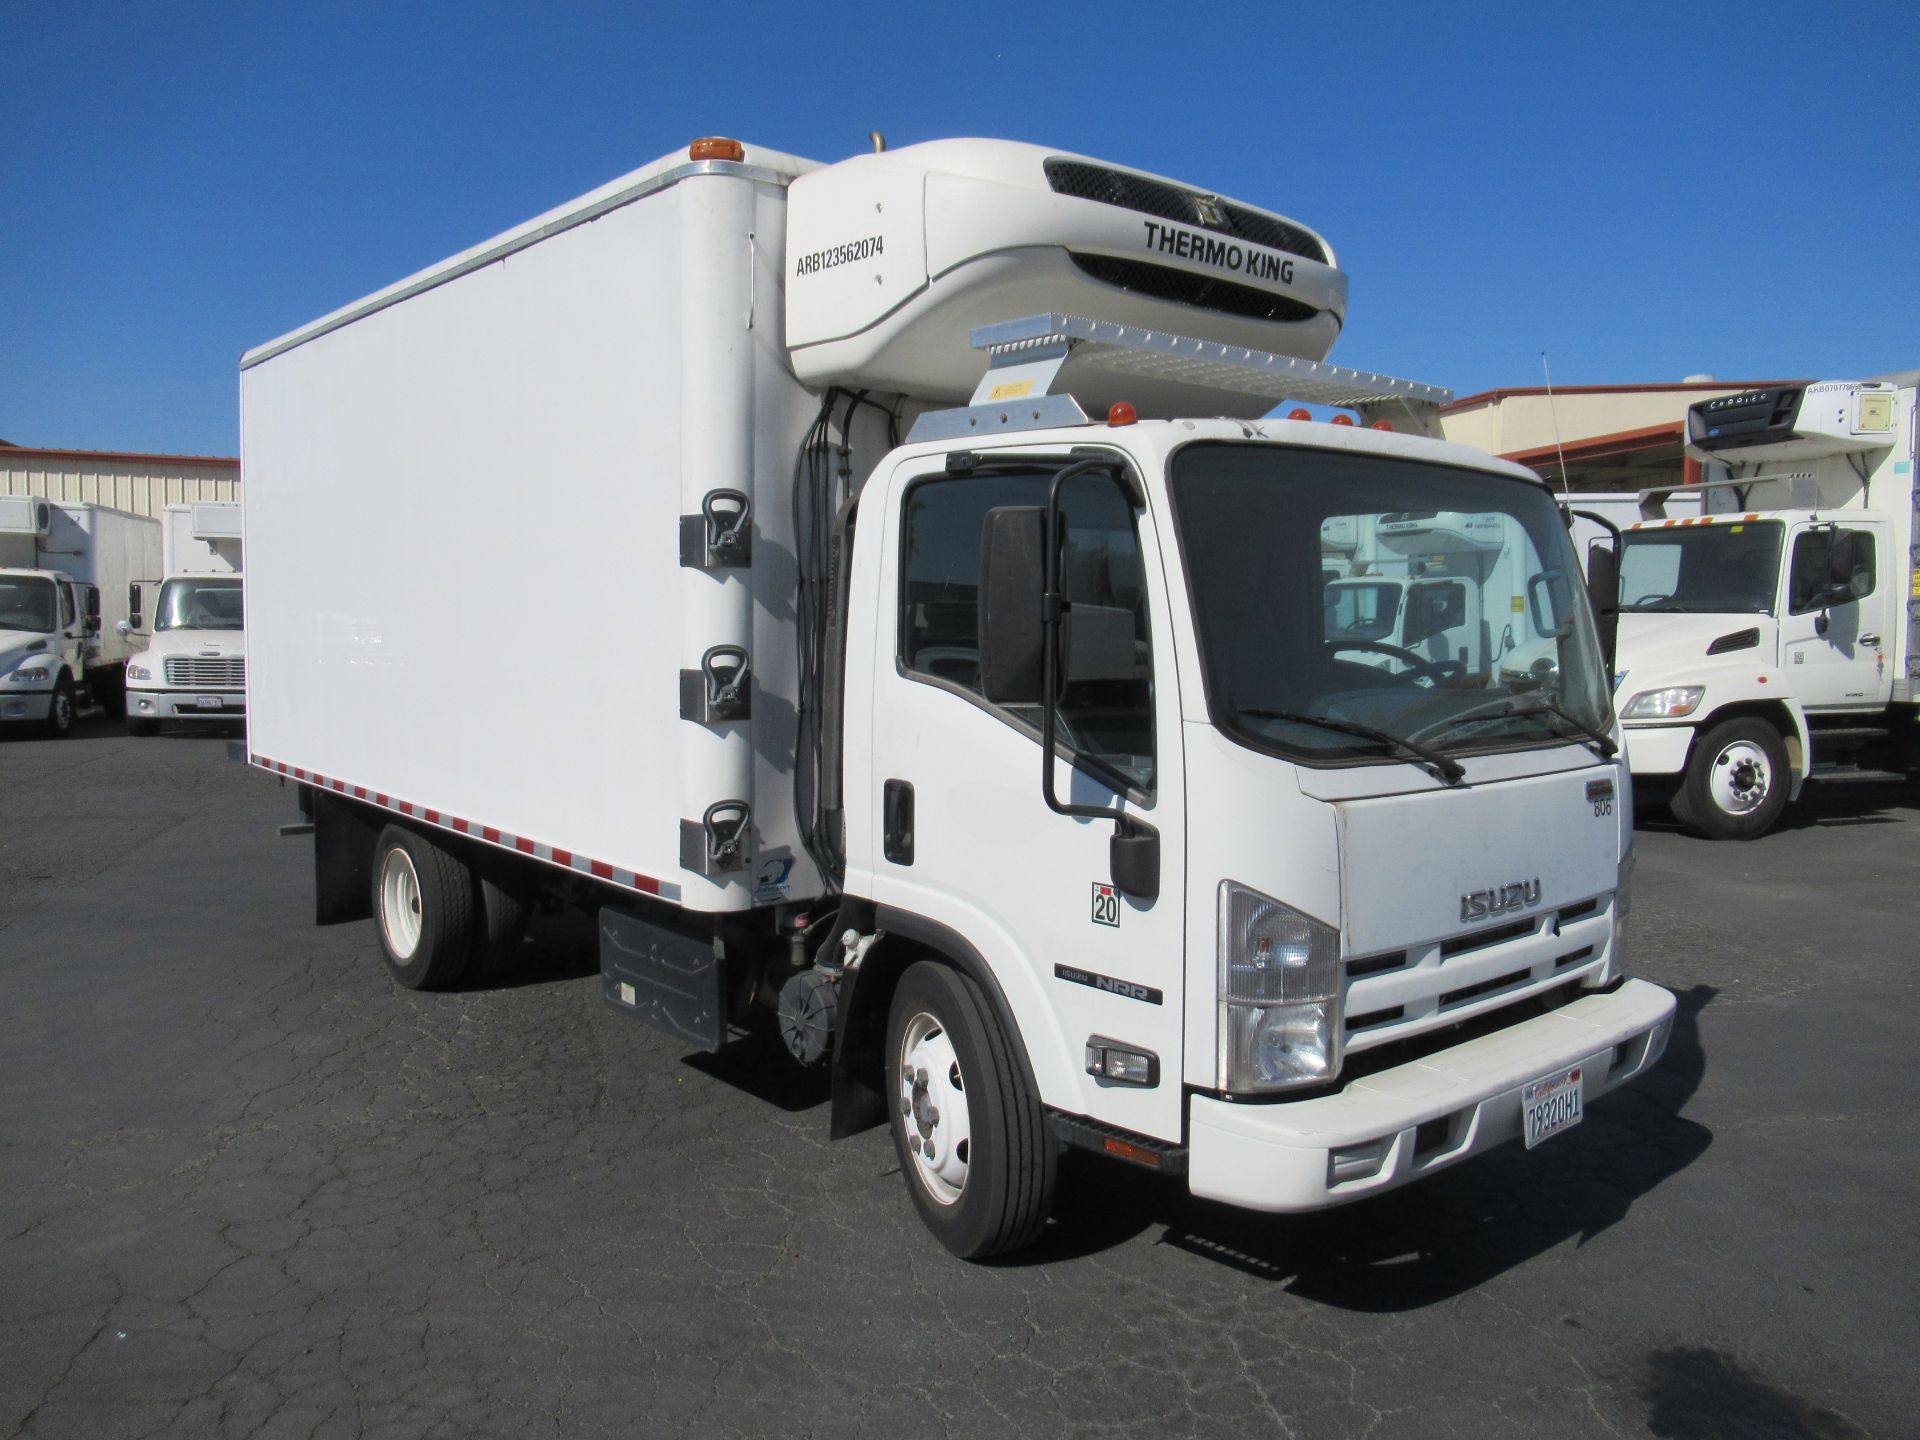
(1830, 567)
(67, 612)
(1106, 706)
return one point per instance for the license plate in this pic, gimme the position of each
(207, 702)
(1551, 1105)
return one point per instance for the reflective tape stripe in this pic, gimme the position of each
(486, 834)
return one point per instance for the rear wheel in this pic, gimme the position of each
(423, 908)
(1736, 782)
(972, 1138)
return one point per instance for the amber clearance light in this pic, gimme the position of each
(716, 147)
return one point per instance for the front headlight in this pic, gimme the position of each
(1279, 994)
(31, 675)
(1668, 704)
(139, 672)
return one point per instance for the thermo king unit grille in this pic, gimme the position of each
(1175, 202)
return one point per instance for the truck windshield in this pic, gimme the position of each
(194, 604)
(1718, 569)
(1478, 635)
(26, 603)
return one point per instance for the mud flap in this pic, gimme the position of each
(343, 839)
(675, 980)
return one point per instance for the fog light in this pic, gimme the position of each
(1121, 1064)
(147, 705)
(1356, 1162)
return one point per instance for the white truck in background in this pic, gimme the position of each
(65, 569)
(1773, 639)
(194, 668)
(1008, 763)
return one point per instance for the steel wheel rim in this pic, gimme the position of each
(62, 710)
(400, 918)
(1742, 778)
(933, 1108)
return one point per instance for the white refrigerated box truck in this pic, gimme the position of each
(65, 574)
(1776, 638)
(749, 530)
(194, 668)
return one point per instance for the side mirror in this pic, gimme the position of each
(1012, 577)
(1603, 589)
(1134, 857)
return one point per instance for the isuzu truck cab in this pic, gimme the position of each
(976, 722)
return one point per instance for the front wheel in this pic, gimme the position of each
(1736, 782)
(60, 709)
(973, 1140)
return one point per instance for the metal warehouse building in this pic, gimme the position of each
(143, 484)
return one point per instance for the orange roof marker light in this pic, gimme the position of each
(1121, 413)
(716, 147)
(1381, 425)
(1343, 420)
(1299, 414)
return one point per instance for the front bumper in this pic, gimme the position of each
(1279, 1157)
(25, 705)
(1657, 749)
(185, 704)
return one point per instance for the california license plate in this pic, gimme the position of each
(207, 702)
(1551, 1105)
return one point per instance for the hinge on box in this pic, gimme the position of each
(719, 537)
(716, 843)
(718, 690)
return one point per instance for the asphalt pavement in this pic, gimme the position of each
(248, 1187)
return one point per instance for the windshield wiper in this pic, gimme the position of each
(1450, 770)
(1511, 710)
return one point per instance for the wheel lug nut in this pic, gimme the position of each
(920, 1077)
(933, 1116)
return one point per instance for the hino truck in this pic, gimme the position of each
(65, 569)
(1772, 639)
(194, 668)
(870, 589)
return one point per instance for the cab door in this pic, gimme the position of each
(1834, 633)
(957, 829)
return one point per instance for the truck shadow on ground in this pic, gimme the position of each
(1825, 804)
(1426, 1242)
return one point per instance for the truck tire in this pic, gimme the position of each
(1736, 782)
(423, 910)
(60, 709)
(138, 726)
(500, 927)
(973, 1140)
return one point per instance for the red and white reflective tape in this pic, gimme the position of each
(486, 834)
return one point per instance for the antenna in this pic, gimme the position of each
(1554, 417)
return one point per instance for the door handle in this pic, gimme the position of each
(896, 836)
(1869, 639)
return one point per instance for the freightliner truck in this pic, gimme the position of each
(870, 590)
(194, 668)
(66, 569)
(1776, 638)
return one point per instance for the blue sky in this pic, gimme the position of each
(1643, 192)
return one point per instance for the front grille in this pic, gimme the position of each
(1184, 287)
(1392, 996)
(199, 672)
(1176, 202)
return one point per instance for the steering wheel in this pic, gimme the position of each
(1651, 599)
(1434, 672)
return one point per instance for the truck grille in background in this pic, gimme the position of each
(194, 672)
(1201, 291)
(1176, 202)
